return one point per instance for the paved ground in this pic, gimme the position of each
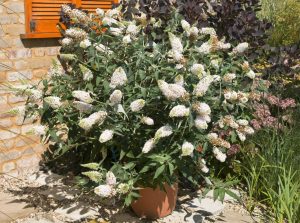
(12, 208)
(56, 202)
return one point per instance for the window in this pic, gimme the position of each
(41, 16)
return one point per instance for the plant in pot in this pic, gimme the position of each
(140, 114)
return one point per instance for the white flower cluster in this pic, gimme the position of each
(116, 31)
(229, 77)
(116, 97)
(213, 45)
(84, 44)
(147, 120)
(177, 48)
(203, 166)
(82, 96)
(187, 149)
(148, 146)
(228, 120)
(219, 155)
(53, 101)
(137, 105)
(76, 34)
(214, 139)
(102, 49)
(203, 85)
(179, 80)
(172, 91)
(241, 48)
(118, 78)
(198, 70)
(56, 69)
(93, 119)
(208, 31)
(162, 132)
(76, 15)
(106, 135)
(189, 31)
(203, 112)
(179, 111)
(251, 74)
(87, 73)
(234, 97)
(67, 42)
(38, 130)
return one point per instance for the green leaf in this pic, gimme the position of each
(159, 171)
(98, 80)
(122, 154)
(128, 200)
(222, 195)
(171, 168)
(129, 166)
(145, 169)
(233, 195)
(216, 194)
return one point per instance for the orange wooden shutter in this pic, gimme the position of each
(41, 16)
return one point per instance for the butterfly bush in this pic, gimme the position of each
(144, 107)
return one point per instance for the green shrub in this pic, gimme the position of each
(139, 112)
(285, 17)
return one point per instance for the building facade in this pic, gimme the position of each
(20, 60)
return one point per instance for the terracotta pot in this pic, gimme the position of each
(154, 204)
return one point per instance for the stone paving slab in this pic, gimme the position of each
(11, 208)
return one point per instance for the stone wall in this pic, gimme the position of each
(19, 60)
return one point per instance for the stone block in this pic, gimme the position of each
(12, 99)
(28, 162)
(6, 65)
(20, 64)
(7, 167)
(39, 73)
(14, 6)
(26, 128)
(205, 205)
(28, 141)
(52, 51)
(7, 144)
(17, 43)
(9, 134)
(10, 155)
(3, 99)
(14, 29)
(41, 62)
(5, 123)
(5, 42)
(9, 19)
(20, 75)
(39, 148)
(2, 76)
(21, 121)
(4, 55)
(2, 9)
(39, 52)
(19, 53)
(3, 111)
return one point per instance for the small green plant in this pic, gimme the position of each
(285, 17)
(270, 171)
